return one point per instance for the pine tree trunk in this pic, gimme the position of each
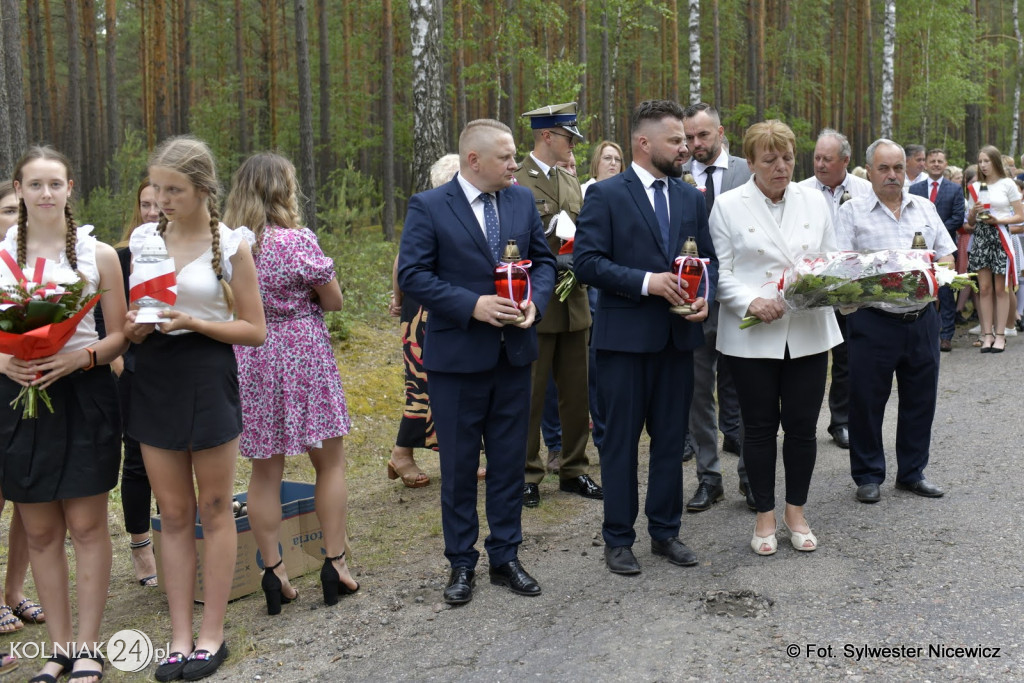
(1015, 138)
(185, 79)
(93, 149)
(307, 174)
(324, 77)
(719, 98)
(14, 97)
(606, 79)
(427, 90)
(388, 106)
(113, 117)
(461, 102)
(40, 127)
(243, 117)
(72, 137)
(888, 51)
(160, 110)
(51, 76)
(581, 50)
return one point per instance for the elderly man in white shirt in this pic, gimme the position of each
(831, 159)
(886, 340)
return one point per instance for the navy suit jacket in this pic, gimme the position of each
(445, 264)
(949, 202)
(618, 241)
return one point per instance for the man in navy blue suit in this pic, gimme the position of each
(629, 232)
(476, 355)
(948, 198)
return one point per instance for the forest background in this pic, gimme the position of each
(364, 96)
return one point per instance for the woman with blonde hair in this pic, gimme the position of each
(991, 254)
(760, 229)
(292, 398)
(605, 162)
(186, 412)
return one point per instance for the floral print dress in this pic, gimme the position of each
(291, 393)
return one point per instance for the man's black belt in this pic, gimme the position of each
(902, 317)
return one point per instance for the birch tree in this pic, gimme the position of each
(695, 52)
(888, 51)
(427, 89)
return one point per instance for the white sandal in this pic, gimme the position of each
(798, 539)
(757, 542)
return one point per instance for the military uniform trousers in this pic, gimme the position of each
(566, 354)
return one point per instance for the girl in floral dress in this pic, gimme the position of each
(989, 252)
(292, 399)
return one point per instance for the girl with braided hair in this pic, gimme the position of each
(59, 466)
(185, 404)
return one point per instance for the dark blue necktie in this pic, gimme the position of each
(661, 211)
(491, 226)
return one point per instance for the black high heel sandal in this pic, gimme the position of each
(272, 589)
(331, 582)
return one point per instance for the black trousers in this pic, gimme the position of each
(786, 391)
(135, 489)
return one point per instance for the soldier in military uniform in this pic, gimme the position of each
(562, 333)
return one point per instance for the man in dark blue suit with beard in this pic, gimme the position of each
(477, 356)
(629, 232)
(948, 198)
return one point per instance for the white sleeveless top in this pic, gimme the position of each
(85, 250)
(199, 293)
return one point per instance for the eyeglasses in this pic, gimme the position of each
(567, 137)
(611, 159)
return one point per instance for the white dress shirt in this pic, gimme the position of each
(857, 187)
(475, 203)
(866, 224)
(648, 182)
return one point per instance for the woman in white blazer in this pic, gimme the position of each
(760, 229)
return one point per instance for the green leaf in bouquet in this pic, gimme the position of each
(39, 313)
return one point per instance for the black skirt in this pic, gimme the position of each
(184, 393)
(73, 452)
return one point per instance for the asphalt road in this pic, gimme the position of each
(919, 576)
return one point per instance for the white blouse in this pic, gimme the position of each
(199, 293)
(85, 250)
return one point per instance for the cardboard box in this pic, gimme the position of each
(301, 543)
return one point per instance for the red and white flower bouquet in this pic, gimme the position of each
(40, 307)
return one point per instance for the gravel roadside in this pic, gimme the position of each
(921, 577)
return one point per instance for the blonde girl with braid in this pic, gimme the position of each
(185, 409)
(59, 466)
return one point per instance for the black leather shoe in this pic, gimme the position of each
(531, 495)
(731, 445)
(707, 494)
(674, 551)
(203, 663)
(621, 560)
(514, 577)
(869, 493)
(922, 487)
(688, 452)
(460, 586)
(582, 485)
(749, 495)
(841, 435)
